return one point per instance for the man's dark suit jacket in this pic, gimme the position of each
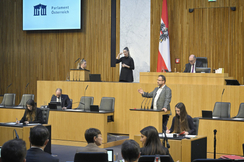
(37, 155)
(65, 101)
(188, 66)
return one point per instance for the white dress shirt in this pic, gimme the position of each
(194, 70)
(156, 97)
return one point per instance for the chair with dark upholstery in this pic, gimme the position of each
(196, 124)
(8, 99)
(240, 112)
(45, 115)
(204, 61)
(221, 110)
(25, 98)
(85, 102)
(91, 157)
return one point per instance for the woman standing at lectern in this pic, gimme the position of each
(182, 122)
(126, 74)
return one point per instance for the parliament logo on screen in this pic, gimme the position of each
(40, 9)
(164, 34)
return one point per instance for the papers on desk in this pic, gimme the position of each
(171, 135)
(20, 124)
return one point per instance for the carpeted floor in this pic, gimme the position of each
(67, 153)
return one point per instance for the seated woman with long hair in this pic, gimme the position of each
(182, 122)
(151, 143)
(32, 114)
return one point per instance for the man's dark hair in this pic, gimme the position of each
(163, 77)
(38, 135)
(130, 150)
(13, 151)
(90, 133)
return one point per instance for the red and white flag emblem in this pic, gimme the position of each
(164, 49)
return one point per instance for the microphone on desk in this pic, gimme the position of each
(215, 131)
(16, 134)
(145, 103)
(221, 100)
(148, 107)
(183, 69)
(142, 102)
(85, 98)
(8, 87)
(77, 60)
(165, 139)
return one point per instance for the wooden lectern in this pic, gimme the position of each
(140, 118)
(79, 75)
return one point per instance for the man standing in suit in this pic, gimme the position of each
(191, 66)
(39, 138)
(161, 98)
(64, 99)
(94, 139)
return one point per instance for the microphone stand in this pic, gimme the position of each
(215, 131)
(145, 104)
(221, 101)
(24, 96)
(85, 98)
(165, 139)
(142, 103)
(148, 104)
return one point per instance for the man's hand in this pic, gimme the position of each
(140, 91)
(64, 108)
(164, 109)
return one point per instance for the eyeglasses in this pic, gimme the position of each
(159, 80)
(191, 60)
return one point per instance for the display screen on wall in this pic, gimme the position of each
(51, 14)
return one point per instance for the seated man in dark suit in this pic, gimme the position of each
(130, 151)
(64, 99)
(191, 66)
(39, 138)
(13, 151)
(94, 139)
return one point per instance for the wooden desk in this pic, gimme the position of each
(195, 97)
(229, 135)
(79, 75)
(185, 78)
(68, 127)
(7, 133)
(185, 150)
(140, 119)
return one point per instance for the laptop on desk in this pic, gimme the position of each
(207, 114)
(94, 108)
(95, 77)
(55, 105)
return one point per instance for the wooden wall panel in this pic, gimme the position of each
(28, 56)
(213, 30)
(195, 97)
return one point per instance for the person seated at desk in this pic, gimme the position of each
(94, 139)
(39, 138)
(191, 66)
(130, 151)
(13, 151)
(151, 143)
(32, 114)
(182, 122)
(82, 65)
(64, 99)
